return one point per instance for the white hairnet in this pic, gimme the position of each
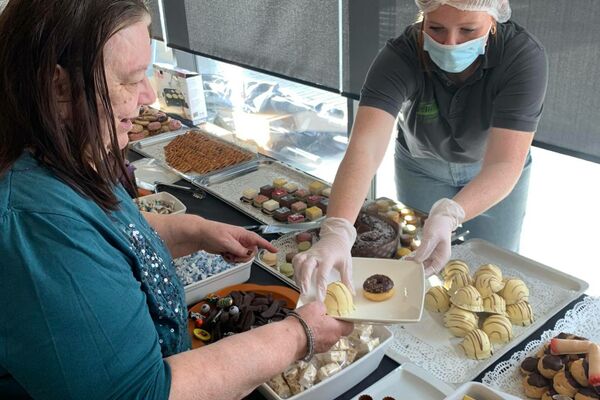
(499, 9)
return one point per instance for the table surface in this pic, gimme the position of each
(213, 208)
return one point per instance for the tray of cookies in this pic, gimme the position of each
(563, 361)
(485, 301)
(270, 191)
(194, 154)
(152, 122)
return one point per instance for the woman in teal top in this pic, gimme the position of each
(91, 306)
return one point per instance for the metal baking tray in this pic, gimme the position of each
(154, 147)
(229, 184)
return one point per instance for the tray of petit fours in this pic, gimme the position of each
(193, 153)
(563, 361)
(270, 191)
(385, 229)
(485, 301)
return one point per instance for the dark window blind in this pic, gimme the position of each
(301, 41)
(569, 31)
(156, 30)
(294, 39)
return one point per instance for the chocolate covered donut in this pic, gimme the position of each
(378, 284)
(378, 287)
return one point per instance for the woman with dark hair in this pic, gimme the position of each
(465, 87)
(91, 307)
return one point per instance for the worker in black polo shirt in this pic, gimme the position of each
(466, 87)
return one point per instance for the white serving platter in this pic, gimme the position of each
(196, 291)
(341, 382)
(178, 206)
(405, 306)
(431, 346)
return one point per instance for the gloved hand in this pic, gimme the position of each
(434, 251)
(331, 251)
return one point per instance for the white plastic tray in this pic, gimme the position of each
(341, 382)
(479, 391)
(408, 382)
(550, 291)
(233, 276)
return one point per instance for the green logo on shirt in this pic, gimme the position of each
(428, 111)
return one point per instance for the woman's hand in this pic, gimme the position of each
(186, 234)
(326, 330)
(234, 243)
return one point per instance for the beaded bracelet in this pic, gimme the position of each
(309, 334)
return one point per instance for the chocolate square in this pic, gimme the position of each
(278, 193)
(266, 190)
(287, 201)
(281, 214)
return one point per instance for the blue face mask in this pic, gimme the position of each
(454, 58)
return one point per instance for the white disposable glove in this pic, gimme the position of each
(331, 251)
(434, 251)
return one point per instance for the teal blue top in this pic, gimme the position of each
(89, 301)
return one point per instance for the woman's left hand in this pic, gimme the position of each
(234, 243)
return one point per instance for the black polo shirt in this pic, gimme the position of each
(439, 119)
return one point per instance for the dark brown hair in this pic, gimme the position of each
(35, 37)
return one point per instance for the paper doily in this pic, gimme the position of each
(582, 320)
(431, 346)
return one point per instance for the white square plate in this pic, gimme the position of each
(407, 382)
(406, 305)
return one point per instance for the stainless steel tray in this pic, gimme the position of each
(154, 147)
(229, 184)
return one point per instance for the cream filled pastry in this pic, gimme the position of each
(460, 322)
(514, 291)
(488, 269)
(477, 345)
(456, 281)
(498, 328)
(494, 304)
(520, 313)
(437, 299)
(338, 300)
(468, 298)
(454, 266)
(487, 284)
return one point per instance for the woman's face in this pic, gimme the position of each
(450, 26)
(126, 58)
